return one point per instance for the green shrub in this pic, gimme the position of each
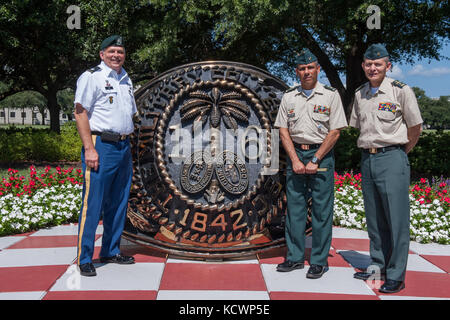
(32, 144)
(346, 153)
(429, 156)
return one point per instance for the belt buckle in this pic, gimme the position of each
(123, 136)
(372, 150)
(305, 146)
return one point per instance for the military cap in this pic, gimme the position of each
(376, 51)
(305, 57)
(114, 40)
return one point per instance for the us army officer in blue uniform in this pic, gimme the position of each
(104, 109)
(388, 117)
(310, 118)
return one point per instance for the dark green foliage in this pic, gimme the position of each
(31, 144)
(346, 153)
(429, 157)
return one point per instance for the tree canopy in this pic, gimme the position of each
(38, 51)
(435, 112)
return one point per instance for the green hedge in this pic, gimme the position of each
(32, 144)
(429, 156)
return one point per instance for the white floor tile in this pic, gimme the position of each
(361, 260)
(430, 248)
(349, 233)
(111, 276)
(63, 230)
(211, 295)
(417, 263)
(357, 259)
(5, 242)
(28, 295)
(37, 257)
(336, 280)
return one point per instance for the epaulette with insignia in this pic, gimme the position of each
(360, 87)
(398, 84)
(291, 89)
(94, 69)
(329, 88)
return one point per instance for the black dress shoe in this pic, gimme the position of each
(118, 258)
(289, 266)
(315, 271)
(392, 286)
(87, 269)
(366, 276)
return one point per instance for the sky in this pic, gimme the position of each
(431, 76)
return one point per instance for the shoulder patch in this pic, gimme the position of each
(360, 87)
(94, 69)
(398, 84)
(291, 89)
(329, 87)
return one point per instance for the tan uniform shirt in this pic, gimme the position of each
(309, 119)
(384, 118)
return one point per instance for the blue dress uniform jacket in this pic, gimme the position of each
(109, 101)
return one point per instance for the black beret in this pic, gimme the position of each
(305, 57)
(114, 40)
(376, 51)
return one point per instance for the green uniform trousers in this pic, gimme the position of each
(385, 187)
(320, 187)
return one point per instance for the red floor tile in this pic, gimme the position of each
(191, 276)
(350, 244)
(47, 242)
(37, 278)
(101, 295)
(442, 262)
(318, 296)
(425, 284)
(277, 256)
(336, 260)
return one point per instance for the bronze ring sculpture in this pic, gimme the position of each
(208, 171)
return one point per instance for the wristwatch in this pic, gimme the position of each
(315, 160)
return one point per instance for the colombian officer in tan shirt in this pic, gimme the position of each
(388, 117)
(310, 118)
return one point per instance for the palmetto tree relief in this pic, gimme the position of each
(230, 172)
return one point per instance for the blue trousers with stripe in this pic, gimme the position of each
(106, 191)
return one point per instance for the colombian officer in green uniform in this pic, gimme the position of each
(310, 118)
(388, 117)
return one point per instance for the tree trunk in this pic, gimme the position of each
(355, 77)
(53, 108)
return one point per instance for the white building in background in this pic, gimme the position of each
(28, 116)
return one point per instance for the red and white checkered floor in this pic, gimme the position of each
(40, 265)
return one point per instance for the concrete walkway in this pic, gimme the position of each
(40, 265)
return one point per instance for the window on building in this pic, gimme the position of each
(2, 114)
(12, 114)
(24, 114)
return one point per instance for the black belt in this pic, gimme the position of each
(110, 136)
(383, 149)
(306, 146)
